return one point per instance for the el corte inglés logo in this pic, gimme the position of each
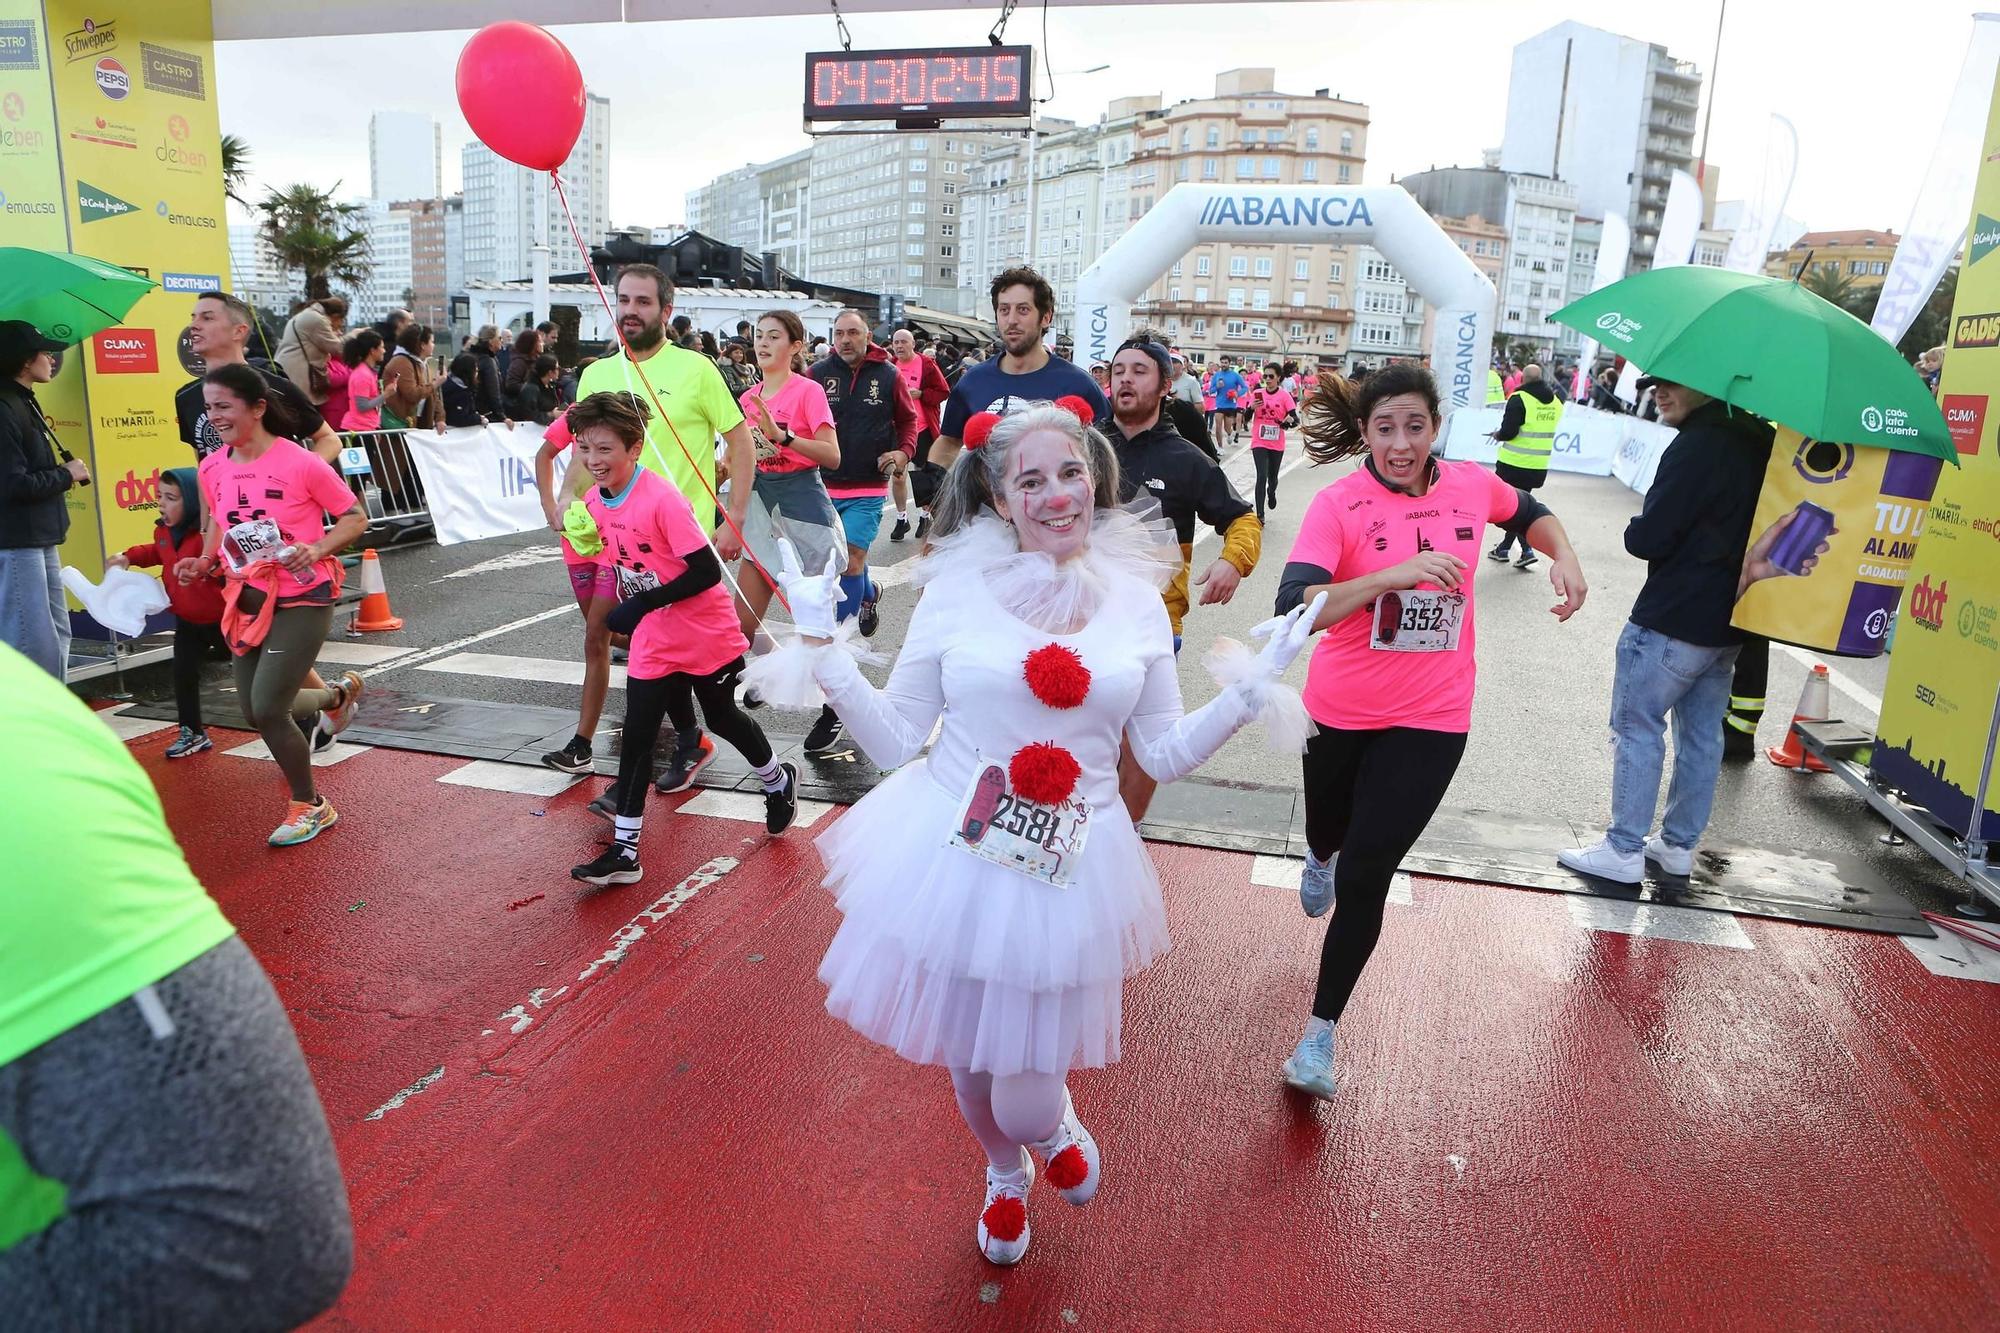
(95, 205)
(1985, 236)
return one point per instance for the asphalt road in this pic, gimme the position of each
(1540, 740)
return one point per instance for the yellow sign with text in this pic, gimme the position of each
(1944, 675)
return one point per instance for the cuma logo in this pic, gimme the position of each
(1965, 417)
(1927, 603)
(95, 205)
(112, 80)
(1985, 236)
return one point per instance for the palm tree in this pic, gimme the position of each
(1831, 284)
(1933, 322)
(308, 231)
(235, 168)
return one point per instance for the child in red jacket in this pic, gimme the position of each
(197, 606)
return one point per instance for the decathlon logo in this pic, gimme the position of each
(189, 282)
(1615, 325)
(1293, 210)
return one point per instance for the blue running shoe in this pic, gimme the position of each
(1316, 885)
(1310, 1068)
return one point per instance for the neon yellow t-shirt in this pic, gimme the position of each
(99, 901)
(689, 392)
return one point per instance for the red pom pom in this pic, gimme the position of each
(1057, 675)
(1077, 406)
(1068, 1168)
(1044, 772)
(1005, 1218)
(978, 428)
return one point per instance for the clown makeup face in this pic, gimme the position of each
(1047, 495)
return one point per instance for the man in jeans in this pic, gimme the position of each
(1678, 651)
(34, 505)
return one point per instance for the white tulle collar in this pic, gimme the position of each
(1057, 598)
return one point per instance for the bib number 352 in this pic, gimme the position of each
(1417, 620)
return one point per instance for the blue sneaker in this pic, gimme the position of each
(1316, 885)
(1310, 1068)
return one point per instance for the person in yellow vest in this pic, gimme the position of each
(1496, 392)
(1527, 435)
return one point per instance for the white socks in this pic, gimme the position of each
(625, 829)
(771, 776)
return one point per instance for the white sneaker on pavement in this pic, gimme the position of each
(1072, 1157)
(1674, 860)
(1603, 861)
(1310, 1066)
(1003, 1222)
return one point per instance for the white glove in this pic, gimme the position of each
(1285, 637)
(813, 599)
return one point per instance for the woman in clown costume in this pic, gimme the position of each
(994, 894)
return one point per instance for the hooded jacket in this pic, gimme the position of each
(872, 414)
(1188, 485)
(199, 602)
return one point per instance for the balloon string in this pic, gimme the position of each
(634, 364)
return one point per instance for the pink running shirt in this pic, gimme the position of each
(799, 407)
(649, 532)
(289, 490)
(362, 382)
(1357, 526)
(1267, 428)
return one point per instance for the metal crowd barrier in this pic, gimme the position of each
(383, 476)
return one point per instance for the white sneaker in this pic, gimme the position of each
(1003, 1222)
(1072, 1157)
(1603, 861)
(1674, 860)
(1310, 1067)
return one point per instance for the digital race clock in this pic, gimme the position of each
(924, 83)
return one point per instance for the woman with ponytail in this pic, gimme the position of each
(1388, 550)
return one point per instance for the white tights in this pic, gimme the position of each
(1008, 1112)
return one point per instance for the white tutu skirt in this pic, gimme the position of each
(951, 960)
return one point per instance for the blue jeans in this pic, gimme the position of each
(34, 617)
(1657, 676)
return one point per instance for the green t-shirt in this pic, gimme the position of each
(99, 900)
(689, 392)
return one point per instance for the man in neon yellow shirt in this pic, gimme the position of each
(689, 398)
(164, 1161)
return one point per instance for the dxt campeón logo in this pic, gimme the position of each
(95, 205)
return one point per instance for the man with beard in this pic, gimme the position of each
(1024, 372)
(1156, 460)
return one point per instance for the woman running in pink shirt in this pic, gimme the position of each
(1270, 407)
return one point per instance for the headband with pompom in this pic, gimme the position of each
(1079, 407)
(979, 429)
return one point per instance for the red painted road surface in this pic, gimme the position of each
(645, 1120)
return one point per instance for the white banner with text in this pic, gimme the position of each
(479, 481)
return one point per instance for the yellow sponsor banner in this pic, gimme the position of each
(1944, 673)
(1869, 506)
(135, 108)
(31, 215)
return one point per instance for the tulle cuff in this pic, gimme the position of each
(1287, 726)
(788, 675)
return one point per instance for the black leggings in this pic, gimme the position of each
(1267, 461)
(673, 698)
(193, 643)
(1369, 795)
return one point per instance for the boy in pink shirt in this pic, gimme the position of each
(686, 644)
(1270, 406)
(592, 582)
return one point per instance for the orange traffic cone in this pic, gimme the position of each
(1814, 705)
(374, 614)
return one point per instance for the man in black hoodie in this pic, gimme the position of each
(1527, 435)
(1678, 650)
(34, 510)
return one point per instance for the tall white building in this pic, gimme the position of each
(500, 204)
(254, 271)
(1539, 215)
(762, 207)
(405, 156)
(1388, 314)
(391, 275)
(1613, 115)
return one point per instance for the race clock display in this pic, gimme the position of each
(920, 83)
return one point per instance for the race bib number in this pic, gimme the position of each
(1043, 842)
(632, 582)
(1417, 620)
(244, 544)
(1269, 431)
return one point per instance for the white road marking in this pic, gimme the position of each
(1694, 925)
(405, 1094)
(746, 806)
(130, 728)
(360, 654)
(338, 752)
(1861, 694)
(1282, 872)
(521, 559)
(444, 649)
(546, 670)
(1207, 532)
(1944, 954)
(518, 778)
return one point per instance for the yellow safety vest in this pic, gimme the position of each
(1496, 390)
(1531, 448)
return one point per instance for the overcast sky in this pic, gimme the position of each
(1866, 85)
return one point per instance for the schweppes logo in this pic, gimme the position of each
(1984, 239)
(95, 205)
(1976, 331)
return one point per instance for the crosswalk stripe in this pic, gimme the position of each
(1282, 872)
(491, 775)
(130, 728)
(747, 807)
(546, 670)
(338, 752)
(1695, 925)
(360, 654)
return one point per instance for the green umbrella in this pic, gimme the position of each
(1770, 347)
(68, 297)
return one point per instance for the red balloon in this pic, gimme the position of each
(522, 93)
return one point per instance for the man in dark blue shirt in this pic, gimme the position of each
(1024, 372)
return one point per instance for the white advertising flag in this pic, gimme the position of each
(1766, 204)
(1679, 221)
(1613, 249)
